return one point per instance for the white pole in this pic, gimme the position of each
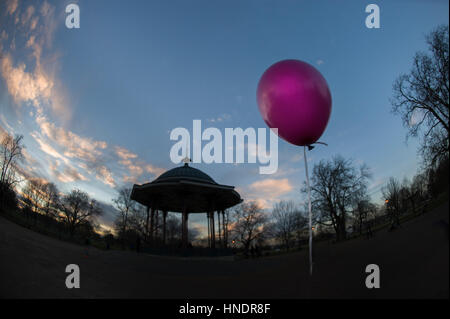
(310, 214)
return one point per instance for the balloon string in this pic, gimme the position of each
(310, 214)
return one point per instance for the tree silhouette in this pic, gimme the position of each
(78, 209)
(288, 222)
(11, 152)
(421, 98)
(50, 199)
(249, 224)
(363, 209)
(126, 206)
(32, 194)
(336, 186)
(391, 192)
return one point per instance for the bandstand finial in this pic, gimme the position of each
(186, 160)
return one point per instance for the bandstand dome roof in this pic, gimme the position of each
(184, 172)
(185, 188)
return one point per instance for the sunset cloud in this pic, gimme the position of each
(48, 149)
(67, 175)
(266, 191)
(137, 172)
(105, 175)
(154, 170)
(31, 80)
(220, 118)
(27, 15)
(11, 6)
(123, 153)
(34, 85)
(272, 187)
(3, 36)
(136, 168)
(74, 145)
(24, 86)
(28, 158)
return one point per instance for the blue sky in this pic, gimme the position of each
(96, 104)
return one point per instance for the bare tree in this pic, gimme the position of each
(438, 179)
(249, 224)
(301, 224)
(419, 187)
(336, 185)
(50, 199)
(11, 152)
(363, 209)
(194, 234)
(421, 98)
(136, 220)
(78, 209)
(391, 193)
(126, 206)
(225, 226)
(405, 195)
(33, 195)
(173, 226)
(286, 218)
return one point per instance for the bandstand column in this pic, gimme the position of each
(218, 228)
(208, 222)
(184, 235)
(152, 223)
(213, 233)
(156, 224)
(164, 226)
(146, 222)
(224, 229)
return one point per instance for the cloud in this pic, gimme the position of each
(6, 127)
(30, 160)
(38, 85)
(125, 156)
(297, 157)
(88, 151)
(105, 175)
(46, 9)
(67, 175)
(154, 170)
(24, 174)
(271, 188)
(11, 6)
(136, 172)
(3, 132)
(24, 86)
(416, 117)
(30, 41)
(266, 191)
(27, 15)
(74, 146)
(109, 215)
(136, 168)
(320, 62)
(34, 23)
(46, 148)
(221, 118)
(92, 154)
(3, 36)
(31, 80)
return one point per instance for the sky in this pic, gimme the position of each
(96, 104)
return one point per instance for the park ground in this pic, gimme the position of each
(413, 262)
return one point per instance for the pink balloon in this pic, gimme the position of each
(294, 97)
